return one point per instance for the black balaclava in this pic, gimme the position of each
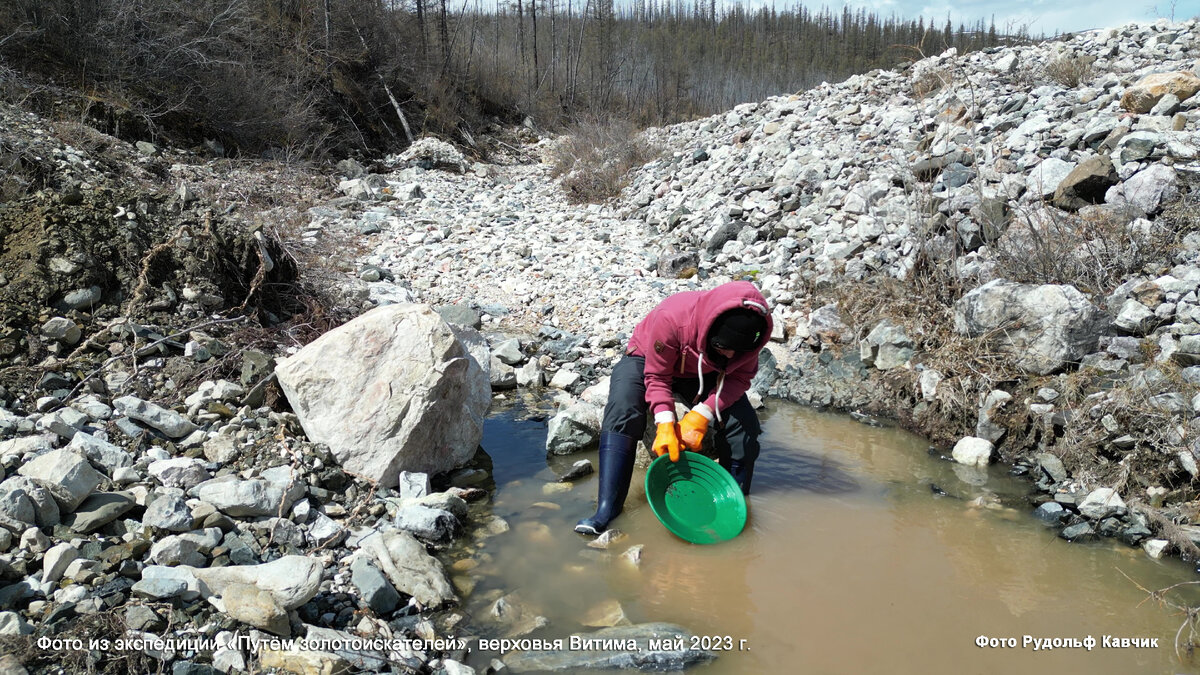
(737, 329)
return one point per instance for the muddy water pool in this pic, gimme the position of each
(864, 553)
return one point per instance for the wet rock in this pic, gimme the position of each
(643, 657)
(605, 615)
(1045, 326)
(1101, 503)
(1156, 548)
(578, 470)
(516, 615)
(1051, 513)
(574, 429)
(389, 391)
(1077, 532)
(427, 523)
(66, 474)
(973, 451)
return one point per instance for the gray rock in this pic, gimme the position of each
(56, 560)
(1086, 184)
(530, 375)
(643, 657)
(1077, 532)
(509, 352)
(81, 299)
(985, 426)
(1101, 503)
(413, 485)
(99, 452)
(98, 510)
(66, 474)
(325, 531)
(65, 422)
(501, 376)
(168, 422)
(410, 568)
(175, 550)
(291, 580)
(179, 472)
(578, 470)
(62, 330)
(1046, 177)
(427, 523)
(1053, 467)
(679, 265)
(887, 346)
(460, 315)
(373, 587)
(45, 508)
(1045, 327)
(1051, 513)
(1151, 188)
(169, 511)
(12, 623)
(239, 498)
(574, 429)
(390, 391)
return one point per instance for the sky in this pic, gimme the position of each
(1045, 16)
(1042, 16)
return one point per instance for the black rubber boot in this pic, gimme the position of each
(743, 473)
(616, 469)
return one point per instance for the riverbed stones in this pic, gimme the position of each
(1044, 327)
(390, 391)
(427, 523)
(410, 568)
(1101, 503)
(574, 429)
(291, 580)
(256, 607)
(169, 422)
(373, 587)
(66, 474)
(972, 451)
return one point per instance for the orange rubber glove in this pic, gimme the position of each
(666, 441)
(692, 428)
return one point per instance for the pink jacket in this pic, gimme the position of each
(672, 339)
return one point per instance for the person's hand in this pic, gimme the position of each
(666, 441)
(692, 428)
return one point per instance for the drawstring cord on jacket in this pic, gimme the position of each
(700, 385)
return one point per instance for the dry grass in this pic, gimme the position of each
(1069, 71)
(595, 157)
(1094, 252)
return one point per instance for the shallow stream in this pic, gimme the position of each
(852, 562)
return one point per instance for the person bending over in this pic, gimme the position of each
(702, 346)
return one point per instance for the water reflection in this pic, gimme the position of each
(850, 562)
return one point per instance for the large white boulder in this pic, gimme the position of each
(1045, 327)
(393, 390)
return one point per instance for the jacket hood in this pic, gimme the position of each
(733, 295)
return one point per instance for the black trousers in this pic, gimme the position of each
(736, 438)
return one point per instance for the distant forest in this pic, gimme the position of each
(317, 77)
